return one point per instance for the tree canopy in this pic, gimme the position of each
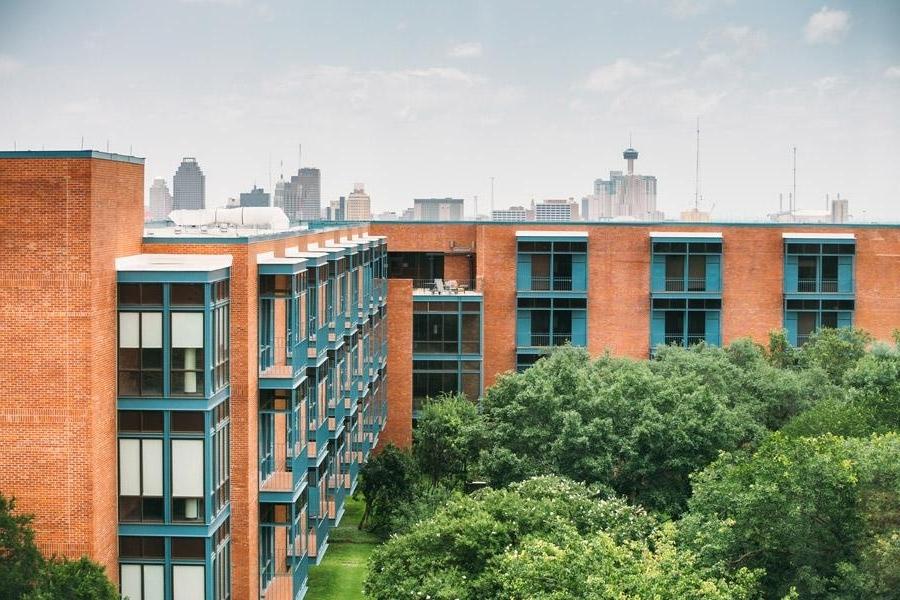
(546, 538)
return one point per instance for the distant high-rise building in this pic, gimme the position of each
(278, 196)
(337, 210)
(255, 197)
(189, 185)
(160, 200)
(438, 209)
(512, 214)
(359, 205)
(303, 195)
(556, 210)
(623, 195)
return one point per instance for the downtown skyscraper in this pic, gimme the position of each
(189, 184)
(160, 200)
(302, 195)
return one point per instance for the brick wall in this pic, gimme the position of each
(64, 222)
(398, 430)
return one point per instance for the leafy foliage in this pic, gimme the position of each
(546, 538)
(636, 427)
(25, 574)
(74, 580)
(386, 482)
(817, 514)
(20, 558)
(447, 438)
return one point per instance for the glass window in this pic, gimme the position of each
(188, 582)
(141, 582)
(188, 547)
(187, 353)
(187, 422)
(187, 480)
(186, 294)
(141, 420)
(141, 547)
(140, 480)
(140, 354)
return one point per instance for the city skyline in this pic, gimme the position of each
(418, 111)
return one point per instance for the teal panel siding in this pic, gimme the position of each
(845, 319)
(523, 328)
(713, 336)
(790, 324)
(523, 272)
(579, 328)
(845, 274)
(790, 273)
(657, 328)
(713, 273)
(658, 273)
(579, 272)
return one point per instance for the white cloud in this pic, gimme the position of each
(614, 75)
(9, 65)
(826, 26)
(826, 84)
(892, 72)
(684, 9)
(466, 50)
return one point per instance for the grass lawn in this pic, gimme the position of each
(341, 573)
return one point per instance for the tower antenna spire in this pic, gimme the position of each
(697, 174)
(794, 201)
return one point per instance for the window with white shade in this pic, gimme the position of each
(187, 354)
(140, 354)
(140, 480)
(141, 582)
(187, 480)
(188, 582)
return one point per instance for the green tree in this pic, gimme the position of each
(386, 482)
(25, 574)
(448, 437)
(547, 538)
(79, 579)
(639, 428)
(836, 351)
(20, 559)
(817, 514)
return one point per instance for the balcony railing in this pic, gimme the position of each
(691, 284)
(546, 284)
(802, 339)
(541, 340)
(444, 286)
(281, 359)
(823, 286)
(680, 340)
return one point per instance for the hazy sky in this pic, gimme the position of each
(423, 98)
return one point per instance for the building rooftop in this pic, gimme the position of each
(195, 263)
(71, 154)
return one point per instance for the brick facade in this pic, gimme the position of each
(63, 223)
(398, 430)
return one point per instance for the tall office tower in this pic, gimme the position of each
(303, 195)
(438, 209)
(359, 205)
(279, 194)
(160, 200)
(337, 210)
(512, 214)
(255, 197)
(189, 184)
(556, 210)
(625, 194)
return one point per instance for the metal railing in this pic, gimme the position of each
(802, 339)
(823, 286)
(691, 284)
(446, 286)
(680, 340)
(546, 284)
(541, 340)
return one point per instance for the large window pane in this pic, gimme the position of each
(187, 468)
(130, 467)
(187, 330)
(152, 467)
(187, 582)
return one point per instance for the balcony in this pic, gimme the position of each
(680, 340)
(691, 284)
(547, 284)
(442, 287)
(814, 286)
(545, 340)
